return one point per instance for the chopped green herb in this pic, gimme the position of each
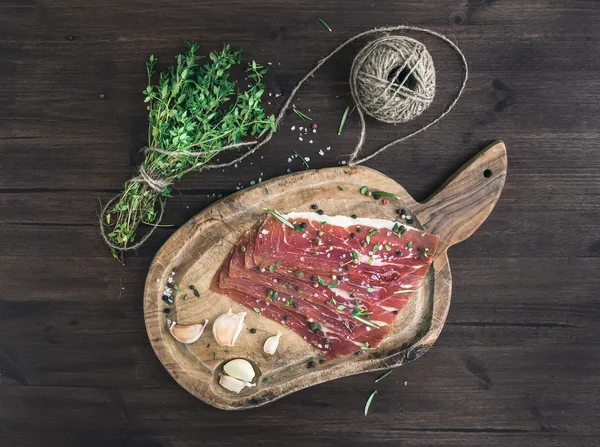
(214, 355)
(387, 247)
(196, 293)
(375, 248)
(265, 380)
(183, 297)
(395, 229)
(370, 290)
(368, 239)
(373, 232)
(370, 261)
(369, 400)
(298, 228)
(277, 263)
(331, 301)
(383, 376)
(354, 254)
(208, 345)
(271, 268)
(402, 230)
(275, 295)
(365, 347)
(385, 194)
(332, 286)
(176, 286)
(225, 280)
(343, 121)
(426, 251)
(302, 158)
(341, 307)
(321, 280)
(270, 293)
(256, 309)
(405, 291)
(364, 190)
(362, 320)
(281, 218)
(323, 223)
(409, 245)
(340, 188)
(327, 27)
(287, 302)
(302, 115)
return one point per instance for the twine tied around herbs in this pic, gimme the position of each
(392, 79)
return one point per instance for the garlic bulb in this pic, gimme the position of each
(240, 369)
(227, 327)
(233, 384)
(271, 344)
(187, 334)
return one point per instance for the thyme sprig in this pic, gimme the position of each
(195, 113)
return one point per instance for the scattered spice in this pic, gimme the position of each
(166, 310)
(183, 297)
(253, 331)
(281, 218)
(364, 190)
(409, 245)
(385, 201)
(310, 364)
(243, 249)
(314, 207)
(384, 194)
(256, 309)
(320, 213)
(176, 286)
(265, 380)
(354, 216)
(340, 188)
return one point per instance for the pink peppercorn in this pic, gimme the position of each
(314, 125)
(386, 201)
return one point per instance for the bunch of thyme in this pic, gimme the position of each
(195, 113)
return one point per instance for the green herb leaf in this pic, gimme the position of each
(302, 115)
(256, 309)
(214, 356)
(404, 291)
(323, 223)
(368, 238)
(341, 307)
(364, 190)
(324, 24)
(387, 247)
(373, 232)
(375, 248)
(302, 158)
(332, 286)
(369, 400)
(385, 194)
(176, 286)
(354, 254)
(409, 245)
(343, 121)
(365, 347)
(370, 290)
(321, 280)
(395, 229)
(281, 218)
(383, 376)
(277, 263)
(265, 379)
(367, 322)
(340, 188)
(271, 268)
(183, 297)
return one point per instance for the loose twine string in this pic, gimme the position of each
(373, 90)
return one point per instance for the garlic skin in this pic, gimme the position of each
(272, 343)
(187, 334)
(233, 384)
(227, 327)
(239, 369)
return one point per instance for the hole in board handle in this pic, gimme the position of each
(487, 173)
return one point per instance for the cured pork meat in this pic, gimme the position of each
(336, 281)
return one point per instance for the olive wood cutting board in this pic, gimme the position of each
(199, 248)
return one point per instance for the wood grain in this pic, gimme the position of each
(197, 251)
(517, 360)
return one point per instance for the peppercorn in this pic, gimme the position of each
(358, 229)
(352, 235)
(398, 253)
(310, 364)
(315, 241)
(354, 216)
(320, 212)
(303, 225)
(346, 267)
(395, 312)
(376, 196)
(166, 310)
(313, 278)
(253, 331)
(314, 207)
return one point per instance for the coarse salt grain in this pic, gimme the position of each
(293, 128)
(310, 141)
(252, 182)
(321, 153)
(300, 138)
(307, 158)
(288, 170)
(343, 162)
(328, 148)
(289, 159)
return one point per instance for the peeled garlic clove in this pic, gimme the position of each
(233, 384)
(228, 327)
(240, 369)
(187, 334)
(271, 344)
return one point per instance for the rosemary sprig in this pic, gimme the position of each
(302, 115)
(281, 218)
(385, 194)
(195, 113)
(324, 23)
(383, 376)
(369, 400)
(302, 158)
(343, 121)
(404, 291)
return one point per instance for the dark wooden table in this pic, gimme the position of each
(517, 363)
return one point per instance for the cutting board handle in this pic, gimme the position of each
(467, 198)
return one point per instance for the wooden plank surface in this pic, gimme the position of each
(517, 361)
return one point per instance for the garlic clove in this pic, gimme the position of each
(187, 334)
(228, 327)
(233, 384)
(240, 369)
(271, 344)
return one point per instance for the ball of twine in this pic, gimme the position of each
(393, 79)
